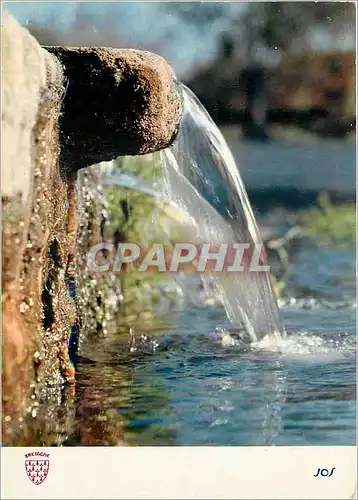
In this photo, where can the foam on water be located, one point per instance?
(308, 346)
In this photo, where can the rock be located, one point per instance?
(118, 102)
(27, 71)
(35, 243)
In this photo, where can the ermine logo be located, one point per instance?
(37, 465)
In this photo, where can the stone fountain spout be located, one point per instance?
(118, 102)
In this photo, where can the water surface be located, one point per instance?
(193, 383)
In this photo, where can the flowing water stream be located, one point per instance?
(199, 167)
(214, 365)
(196, 172)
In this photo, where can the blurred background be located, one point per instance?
(252, 64)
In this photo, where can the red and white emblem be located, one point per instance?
(37, 466)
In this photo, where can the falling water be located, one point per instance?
(199, 168)
(188, 385)
(198, 186)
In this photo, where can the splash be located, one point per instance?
(313, 346)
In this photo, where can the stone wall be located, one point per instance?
(35, 243)
(50, 125)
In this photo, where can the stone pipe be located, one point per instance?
(118, 102)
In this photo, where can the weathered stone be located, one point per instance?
(118, 102)
(35, 243)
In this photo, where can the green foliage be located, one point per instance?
(330, 224)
